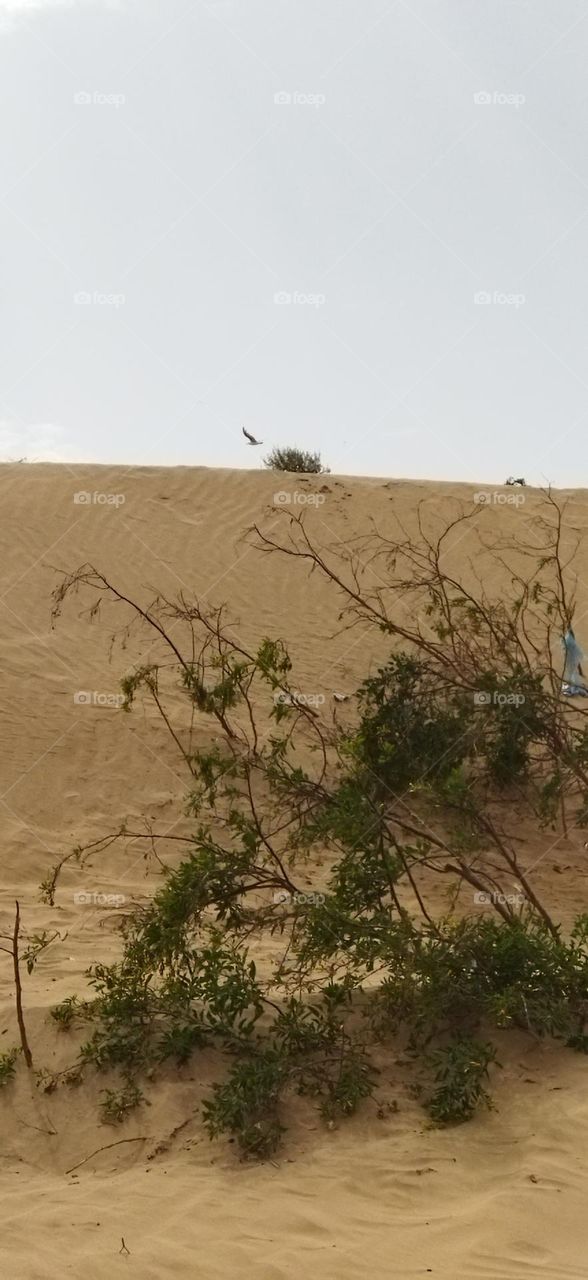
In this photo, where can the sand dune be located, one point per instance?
(501, 1199)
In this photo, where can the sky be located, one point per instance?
(355, 226)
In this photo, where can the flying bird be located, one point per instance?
(251, 439)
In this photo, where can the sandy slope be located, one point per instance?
(503, 1198)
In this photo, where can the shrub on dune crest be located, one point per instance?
(289, 458)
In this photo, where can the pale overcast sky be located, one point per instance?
(354, 225)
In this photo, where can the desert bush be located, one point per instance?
(115, 1107)
(466, 711)
(461, 1068)
(289, 458)
(65, 1014)
(8, 1066)
(245, 1106)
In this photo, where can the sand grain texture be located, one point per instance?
(501, 1199)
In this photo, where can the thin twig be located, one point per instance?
(106, 1148)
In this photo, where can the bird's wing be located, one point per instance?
(248, 436)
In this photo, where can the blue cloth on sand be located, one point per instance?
(573, 683)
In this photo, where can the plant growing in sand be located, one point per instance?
(407, 797)
(116, 1106)
(7, 1066)
(289, 458)
(10, 944)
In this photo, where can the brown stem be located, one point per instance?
(466, 873)
(28, 1057)
(511, 860)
